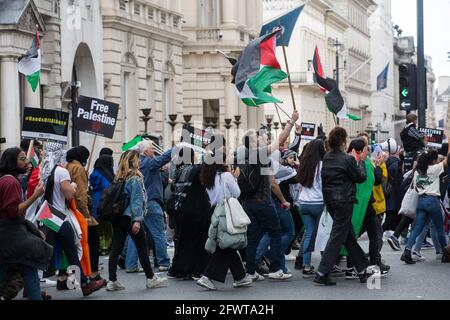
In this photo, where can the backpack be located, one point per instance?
(113, 202)
(250, 179)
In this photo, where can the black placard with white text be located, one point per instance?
(434, 136)
(308, 131)
(95, 116)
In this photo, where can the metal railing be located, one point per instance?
(208, 35)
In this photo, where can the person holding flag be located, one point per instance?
(21, 243)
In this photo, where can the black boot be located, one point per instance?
(323, 280)
(298, 263)
(407, 258)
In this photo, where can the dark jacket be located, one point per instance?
(394, 166)
(412, 139)
(340, 174)
(21, 243)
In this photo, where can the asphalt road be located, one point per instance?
(428, 280)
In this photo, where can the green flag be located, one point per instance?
(132, 143)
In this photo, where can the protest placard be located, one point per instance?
(45, 125)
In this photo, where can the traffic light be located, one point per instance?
(408, 86)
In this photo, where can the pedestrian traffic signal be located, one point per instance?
(408, 85)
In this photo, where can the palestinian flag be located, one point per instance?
(318, 66)
(132, 143)
(333, 98)
(51, 217)
(30, 63)
(256, 70)
(34, 159)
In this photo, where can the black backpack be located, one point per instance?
(113, 202)
(250, 179)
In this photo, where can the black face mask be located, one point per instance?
(21, 171)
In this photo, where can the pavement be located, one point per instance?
(428, 280)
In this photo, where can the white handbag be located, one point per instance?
(409, 203)
(237, 219)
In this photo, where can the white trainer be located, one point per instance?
(156, 282)
(205, 282)
(245, 282)
(279, 275)
(47, 283)
(114, 286)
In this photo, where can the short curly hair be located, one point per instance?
(337, 137)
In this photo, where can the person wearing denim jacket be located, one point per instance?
(154, 221)
(130, 223)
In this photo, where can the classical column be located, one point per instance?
(9, 101)
(231, 98)
(229, 12)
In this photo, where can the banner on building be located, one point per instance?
(95, 116)
(435, 137)
(308, 131)
(45, 125)
(199, 139)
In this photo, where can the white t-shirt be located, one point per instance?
(59, 201)
(429, 184)
(217, 193)
(313, 194)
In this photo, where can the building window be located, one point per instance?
(208, 13)
(137, 9)
(176, 22)
(151, 14)
(163, 18)
(242, 36)
(122, 5)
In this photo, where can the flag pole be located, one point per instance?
(30, 149)
(90, 154)
(287, 65)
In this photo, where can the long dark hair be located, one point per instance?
(425, 160)
(309, 162)
(208, 174)
(105, 165)
(8, 162)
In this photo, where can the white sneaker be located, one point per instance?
(289, 257)
(156, 282)
(418, 257)
(163, 269)
(256, 277)
(439, 256)
(279, 275)
(47, 283)
(114, 286)
(246, 282)
(205, 282)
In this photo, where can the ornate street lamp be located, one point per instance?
(237, 122)
(172, 122)
(269, 119)
(146, 117)
(187, 119)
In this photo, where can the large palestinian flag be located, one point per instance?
(50, 216)
(256, 70)
(30, 63)
(333, 98)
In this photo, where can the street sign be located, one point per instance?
(405, 105)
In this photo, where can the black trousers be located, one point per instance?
(342, 234)
(94, 247)
(404, 224)
(221, 261)
(298, 226)
(392, 220)
(121, 228)
(372, 224)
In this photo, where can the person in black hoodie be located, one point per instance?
(340, 174)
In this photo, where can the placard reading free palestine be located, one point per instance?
(96, 116)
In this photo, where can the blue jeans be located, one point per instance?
(422, 237)
(428, 207)
(154, 222)
(311, 214)
(30, 278)
(287, 235)
(264, 218)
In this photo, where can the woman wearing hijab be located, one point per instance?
(100, 179)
